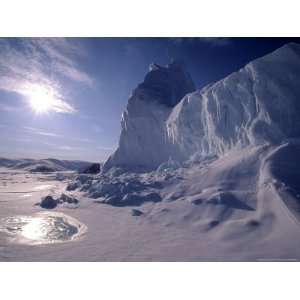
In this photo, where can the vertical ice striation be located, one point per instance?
(144, 141)
(258, 104)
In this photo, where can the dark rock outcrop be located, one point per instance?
(48, 202)
(92, 169)
(136, 212)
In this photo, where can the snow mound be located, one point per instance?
(168, 166)
(124, 190)
(283, 166)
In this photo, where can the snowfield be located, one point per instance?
(237, 207)
(211, 176)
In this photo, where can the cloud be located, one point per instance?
(8, 108)
(216, 41)
(105, 148)
(44, 133)
(38, 131)
(41, 132)
(211, 41)
(26, 63)
(52, 99)
(67, 148)
(20, 140)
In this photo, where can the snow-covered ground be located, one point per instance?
(242, 206)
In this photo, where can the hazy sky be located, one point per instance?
(63, 98)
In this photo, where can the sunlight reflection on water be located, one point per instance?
(42, 187)
(43, 228)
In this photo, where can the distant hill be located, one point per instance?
(44, 165)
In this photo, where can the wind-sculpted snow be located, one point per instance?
(256, 105)
(123, 190)
(283, 164)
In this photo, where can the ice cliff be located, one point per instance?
(144, 142)
(166, 118)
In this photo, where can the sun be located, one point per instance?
(41, 100)
(44, 98)
(40, 104)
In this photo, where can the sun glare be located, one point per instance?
(41, 100)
